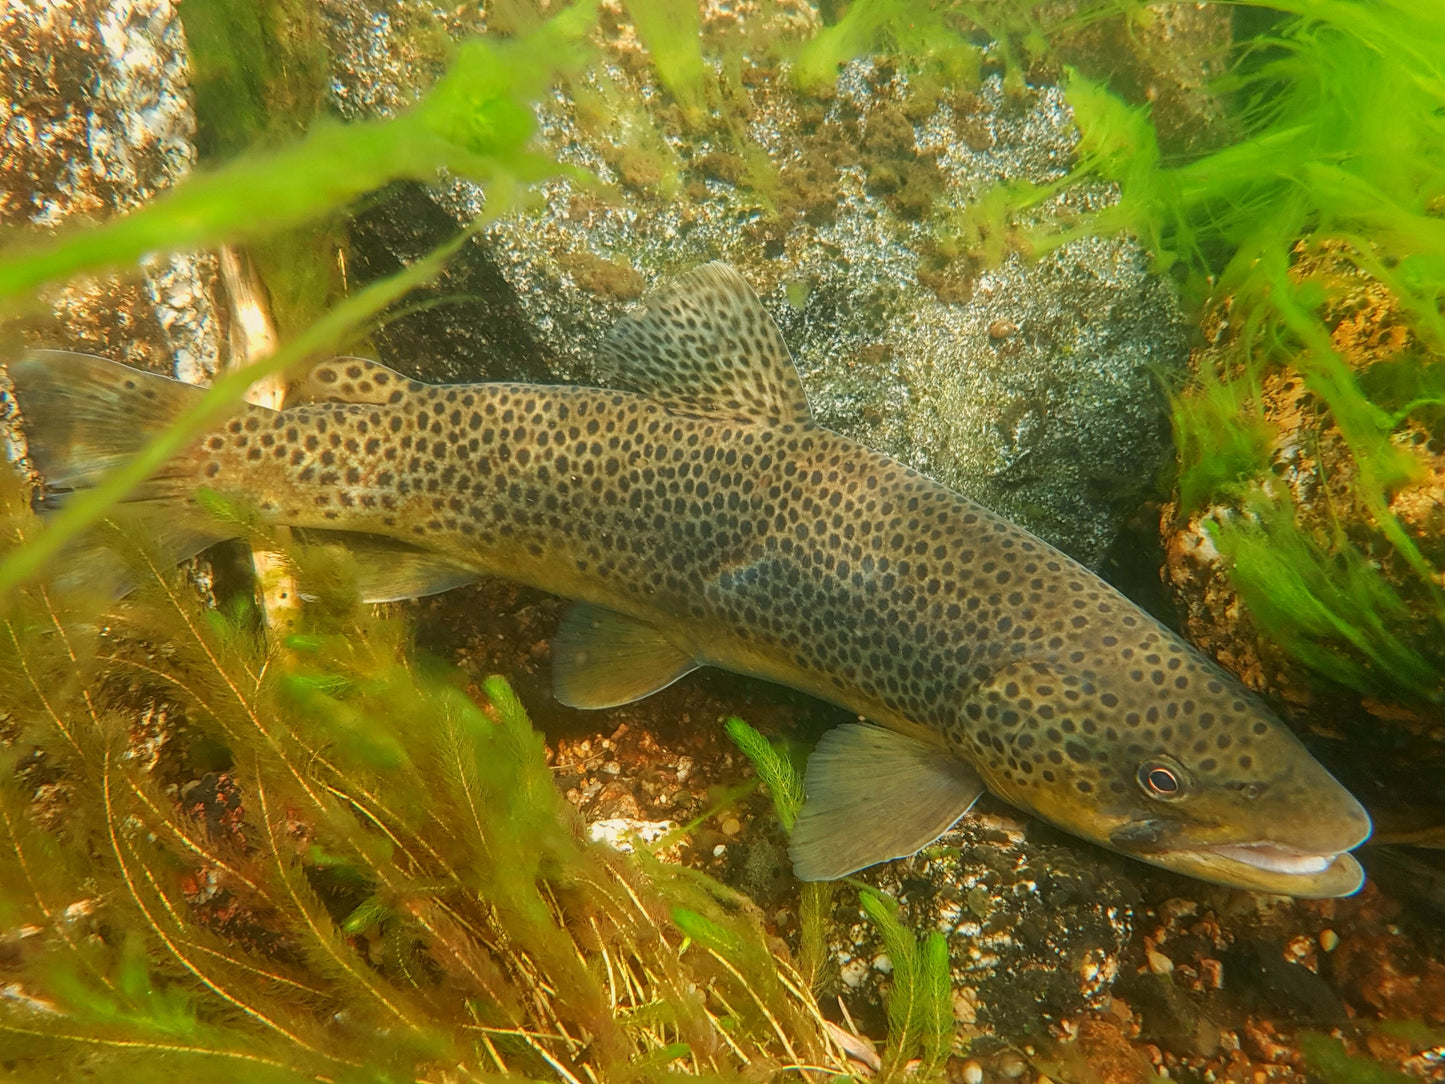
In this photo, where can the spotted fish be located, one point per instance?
(700, 517)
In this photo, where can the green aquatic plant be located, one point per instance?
(774, 768)
(1325, 603)
(1327, 1058)
(1223, 440)
(384, 884)
(916, 32)
(920, 1004)
(1341, 150)
(815, 900)
(671, 33)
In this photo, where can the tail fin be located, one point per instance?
(84, 416)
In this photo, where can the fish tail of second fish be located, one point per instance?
(82, 417)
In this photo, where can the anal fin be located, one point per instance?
(872, 795)
(388, 570)
(601, 659)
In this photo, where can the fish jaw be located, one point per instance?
(1265, 866)
(1319, 869)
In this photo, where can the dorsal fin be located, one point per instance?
(704, 345)
(352, 380)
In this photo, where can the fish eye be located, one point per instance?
(1161, 779)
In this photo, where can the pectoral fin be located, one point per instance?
(601, 659)
(874, 794)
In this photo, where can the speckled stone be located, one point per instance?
(1036, 927)
(97, 121)
(1030, 385)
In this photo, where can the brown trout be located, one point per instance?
(700, 517)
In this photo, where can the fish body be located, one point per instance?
(700, 517)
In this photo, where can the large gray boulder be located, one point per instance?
(919, 325)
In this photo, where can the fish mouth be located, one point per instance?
(1267, 866)
(1275, 857)
(1320, 869)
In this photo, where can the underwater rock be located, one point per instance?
(1170, 1016)
(99, 121)
(918, 323)
(1035, 926)
(1257, 972)
(1296, 586)
(1173, 59)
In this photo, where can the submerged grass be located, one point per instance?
(393, 889)
(1341, 150)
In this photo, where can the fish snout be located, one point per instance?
(1348, 826)
(1310, 810)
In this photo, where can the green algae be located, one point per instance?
(1327, 1058)
(1223, 439)
(1326, 603)
(672, 34)
(1341, 148)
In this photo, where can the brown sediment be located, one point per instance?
(607, 278)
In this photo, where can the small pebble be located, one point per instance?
(731, 827)
(1011, 1065)
(972, 1072)
(1159, 963)
(1328, 940)
(720, 850)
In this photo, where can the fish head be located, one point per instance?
(1192, 773)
